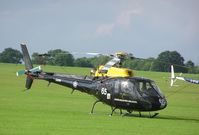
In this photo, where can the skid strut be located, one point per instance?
(94, 105)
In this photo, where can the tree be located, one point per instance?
(64, 59)
(52, 54)
(168, 58)
(83, 62)
(139, 64)
(190, 65)
(196, 69)
(60, 57)
(100, 60)
(10, 55)
(39, 59)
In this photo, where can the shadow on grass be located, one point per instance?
(163, 117)
(167, 117)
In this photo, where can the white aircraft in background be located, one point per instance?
(173, 78)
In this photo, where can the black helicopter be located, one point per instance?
(124, 93)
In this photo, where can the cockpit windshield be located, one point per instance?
(157, 89)
(149, 88)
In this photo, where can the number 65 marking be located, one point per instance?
(104, 91)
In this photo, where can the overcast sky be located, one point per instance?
(142, 27)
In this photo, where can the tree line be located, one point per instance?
(64, 58)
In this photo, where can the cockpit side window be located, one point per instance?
(129, 88)
(125, 86)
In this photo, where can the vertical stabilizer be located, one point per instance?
(26, 57)
(28, 65)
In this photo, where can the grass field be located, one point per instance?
(54, 111)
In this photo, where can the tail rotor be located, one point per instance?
(29, 67)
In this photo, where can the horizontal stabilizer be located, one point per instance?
(33, 70)
(21, 72)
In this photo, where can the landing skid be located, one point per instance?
(94, 106)
(152, 116)
(113, 110)
(140, 115)
(129, 112)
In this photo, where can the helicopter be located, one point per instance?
(174, 78)
(120, 91)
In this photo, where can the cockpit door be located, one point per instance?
(125, 89)
(125, 95)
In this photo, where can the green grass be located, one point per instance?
(54, 111)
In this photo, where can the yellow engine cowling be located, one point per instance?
(114, 72)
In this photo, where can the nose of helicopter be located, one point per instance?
(163, 103)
